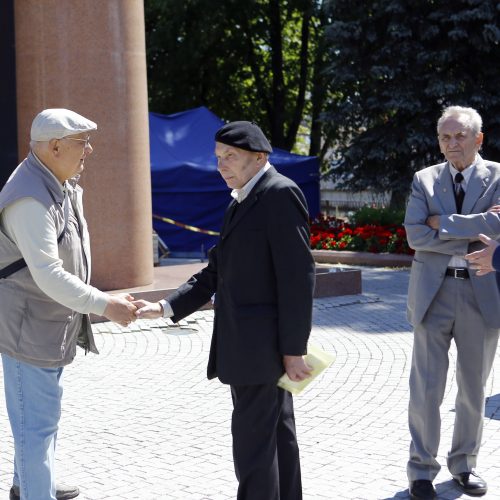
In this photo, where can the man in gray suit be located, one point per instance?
(447, 209)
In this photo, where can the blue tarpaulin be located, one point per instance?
(188, 189)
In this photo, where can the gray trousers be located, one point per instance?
(454, 313)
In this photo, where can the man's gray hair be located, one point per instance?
(468, 116)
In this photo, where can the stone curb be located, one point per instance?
(362, 258)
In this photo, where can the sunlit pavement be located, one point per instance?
(141, 421)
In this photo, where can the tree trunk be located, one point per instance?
(399, 199)
(277, 116)
(293, 126)
(318, 91)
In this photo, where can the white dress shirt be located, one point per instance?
(240, 194)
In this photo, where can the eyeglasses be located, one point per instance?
(86, 141)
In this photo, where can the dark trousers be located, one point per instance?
(265, 450)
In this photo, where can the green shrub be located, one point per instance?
(377, 216)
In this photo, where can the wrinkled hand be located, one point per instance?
(481, 260)
(120, 309)
(148, 310)
(296, 368)
(433, 221)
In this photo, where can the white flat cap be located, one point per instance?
(58, 123)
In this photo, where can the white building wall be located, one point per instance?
(338, 202)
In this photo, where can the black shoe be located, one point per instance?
(63, 492)
(471, 483)
(422, 489)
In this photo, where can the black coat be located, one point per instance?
(262, 273)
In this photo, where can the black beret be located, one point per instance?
(243, 135)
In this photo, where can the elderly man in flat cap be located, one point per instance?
(262, 274)
(45, 296)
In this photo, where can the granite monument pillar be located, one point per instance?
(90, 56)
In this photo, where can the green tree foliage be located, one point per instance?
(243, 59)
(394, 64)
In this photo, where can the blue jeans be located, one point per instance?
(33, 397)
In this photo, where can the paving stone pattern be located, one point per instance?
(141, 421)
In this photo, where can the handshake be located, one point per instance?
(124, 309)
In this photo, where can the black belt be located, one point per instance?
(456, 272)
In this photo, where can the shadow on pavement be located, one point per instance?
(450, 489)
(492, 409)
(445, 488)
(399, 494)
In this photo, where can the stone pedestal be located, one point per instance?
(330, 282)
(90, 56)
(334, 282)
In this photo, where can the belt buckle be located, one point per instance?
(456, 272)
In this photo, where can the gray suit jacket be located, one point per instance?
(433, 194)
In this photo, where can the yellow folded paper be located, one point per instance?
(317, 359)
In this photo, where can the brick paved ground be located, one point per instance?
(141, 421)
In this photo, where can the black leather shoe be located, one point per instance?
(471, 483)
(63, 492)
(422, 489)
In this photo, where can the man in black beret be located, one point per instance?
(262, 274)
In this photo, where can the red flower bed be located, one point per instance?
(329, 233)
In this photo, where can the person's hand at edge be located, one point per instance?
(120, 309)
(481, 261)
(296, 368)
(148, 310)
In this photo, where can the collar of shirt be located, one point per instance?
(240, 194)
(466, 172)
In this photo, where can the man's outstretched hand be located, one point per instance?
(148, 310)
(120, 309)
